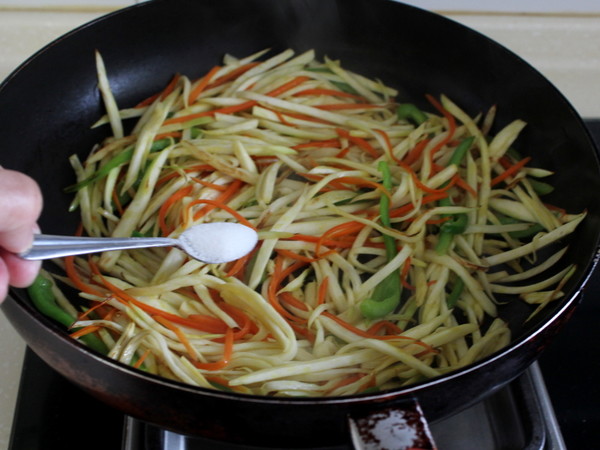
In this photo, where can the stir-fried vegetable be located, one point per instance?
(388, 235)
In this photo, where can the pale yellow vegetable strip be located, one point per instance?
(538, 243)
(132, 214)
(110, 104)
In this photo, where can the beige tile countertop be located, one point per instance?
(564, 46)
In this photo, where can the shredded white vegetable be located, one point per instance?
(383, 256)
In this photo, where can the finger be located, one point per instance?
(20, 207)
(3, 280)
(21, 273)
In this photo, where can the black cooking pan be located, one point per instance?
(49, 103)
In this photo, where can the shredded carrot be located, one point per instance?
(221, 199)
(360, 142)
(512, 170)
(200, 322)
(164, 208)
(202, 84)
(331, 92)
(117, 202)
(368, 335)
(343, 153)
(464, 185)
(166, 91)
(318, 144)
(287, 86)
(216, 187)
(385, 325)
(180, 335)
(386, 138)
(224, 207)
(239, 265)
(141, 360)
(98, 305)
(451, 124)
(84, 331)
(232, 75)
(227, 352)
(293, 255)
(195, 168)
(346, 381)
(343, 106)
(405, 209)
(76, 279)
(173, 134)
(404, 275)
(415, 153)
(322, 292)
(337, 231)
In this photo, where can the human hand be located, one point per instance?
(20, 207)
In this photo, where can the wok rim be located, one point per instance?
(411, 391)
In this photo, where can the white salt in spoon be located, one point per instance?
(213, 243)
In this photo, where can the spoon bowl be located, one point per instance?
(213, 243)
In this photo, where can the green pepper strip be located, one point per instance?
(44, 300)
(541, 187)
(457, 223)
(121, 158)
(531, 231)
(345, 87)
(455, 293)
(386, 295)
(409, 111)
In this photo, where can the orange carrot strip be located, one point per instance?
(366, 334)
(201, 86)
(386, 138)
(84, 331)
(397, 212)
(464, 185)
(386, 326)
(162, 212)
(216, 187)
(83, 315)
(322, 292)
(331, 92)
(418, 182)
(166, 91)
(218, 204)
(343, 106)
(451, 123)
(287, 86)
(318, 144)
(141, 360)
(200, 322)
(117, 202)
(195, 168)
(404, 275)
(180, 334)
(232, 75)
(76, 279)
(360, 142)
(224, 197)
(173, 134)
(239, 265)
(343, 153)
(414, 154)
(512, 170)
(227, 352)
(293, 255)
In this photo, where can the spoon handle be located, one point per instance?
(47, 246)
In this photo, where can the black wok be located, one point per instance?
(49, 103)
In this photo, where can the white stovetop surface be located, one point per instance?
(561, 39)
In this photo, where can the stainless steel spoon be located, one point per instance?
(214, 243)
